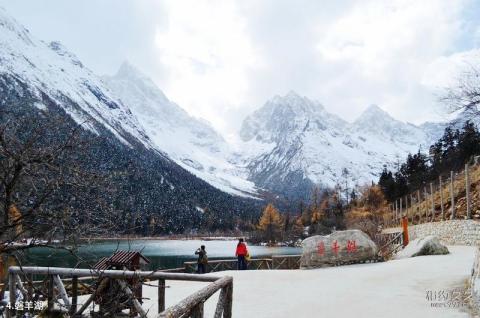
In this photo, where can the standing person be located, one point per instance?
(241, 254)
(202, 260)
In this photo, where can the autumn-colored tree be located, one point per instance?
(317, 216)
(373, 198)
(306, 216)
(319, 213)
(270, 223)
(369, 212)
(297, 228)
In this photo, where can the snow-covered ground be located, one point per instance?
(392, 289)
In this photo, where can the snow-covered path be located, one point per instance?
(392, 289)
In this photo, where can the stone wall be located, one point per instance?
(475, 282)
(451, 232)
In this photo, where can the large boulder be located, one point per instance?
(341, 247)
(429, 245)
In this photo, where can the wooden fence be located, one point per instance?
(276, 262)
(286, 261)
(389, 244)
(228, 265)
(68, 284)
(437, 201)
(54, 290)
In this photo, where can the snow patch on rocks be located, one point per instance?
(429, 245)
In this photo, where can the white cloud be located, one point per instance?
(207, 54)
(383, 50)
(221, 59)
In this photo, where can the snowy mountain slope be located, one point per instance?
(45, 81)
(51, 70)
(192, 143)
(295, 141)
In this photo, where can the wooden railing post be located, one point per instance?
(452, 197)
(406, 206)
(197, 312)
(227, 312)
(12, 294)
(418, 206)
(432, 198)
(412, 212)
(425, 198)
(30, 290)
(396, 210)
(50, 294)
(161, 295)
(401, 208)
(221, 303)
(441, 197)
(467, 193)
(73, 307)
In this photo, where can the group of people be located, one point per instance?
(241, 253)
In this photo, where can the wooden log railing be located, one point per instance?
(276, 262)
(389, 243)
(229, 264)
(192, 306)
(286, 261)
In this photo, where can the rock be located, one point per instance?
(351, 246)
(429, 245)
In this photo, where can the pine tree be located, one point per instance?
(415, 170)
(468, 142)
(401, 185)
(387, 184)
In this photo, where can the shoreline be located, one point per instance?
(162, 238)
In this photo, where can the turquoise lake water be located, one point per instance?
(162, 253)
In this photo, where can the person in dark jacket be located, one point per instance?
(241, 254)
(202, 260)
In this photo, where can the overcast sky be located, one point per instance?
(222, 59)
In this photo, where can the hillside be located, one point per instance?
(418, 209)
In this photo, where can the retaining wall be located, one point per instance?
(451, 232)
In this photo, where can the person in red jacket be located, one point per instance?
(241, 254)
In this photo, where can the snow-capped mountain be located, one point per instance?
(44, 80)
(289, 144)
(296, 143)
(191, 142)
(51, 70)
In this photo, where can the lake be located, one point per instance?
(161, 253)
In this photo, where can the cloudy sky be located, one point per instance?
(222, 59)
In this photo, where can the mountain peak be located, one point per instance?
(292, 94)
(128, 70)
(293, 104)
(373, 112)
(375, 109)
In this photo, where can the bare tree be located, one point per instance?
(465, 96)
(48, 193)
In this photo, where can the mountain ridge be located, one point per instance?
(321, 148)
